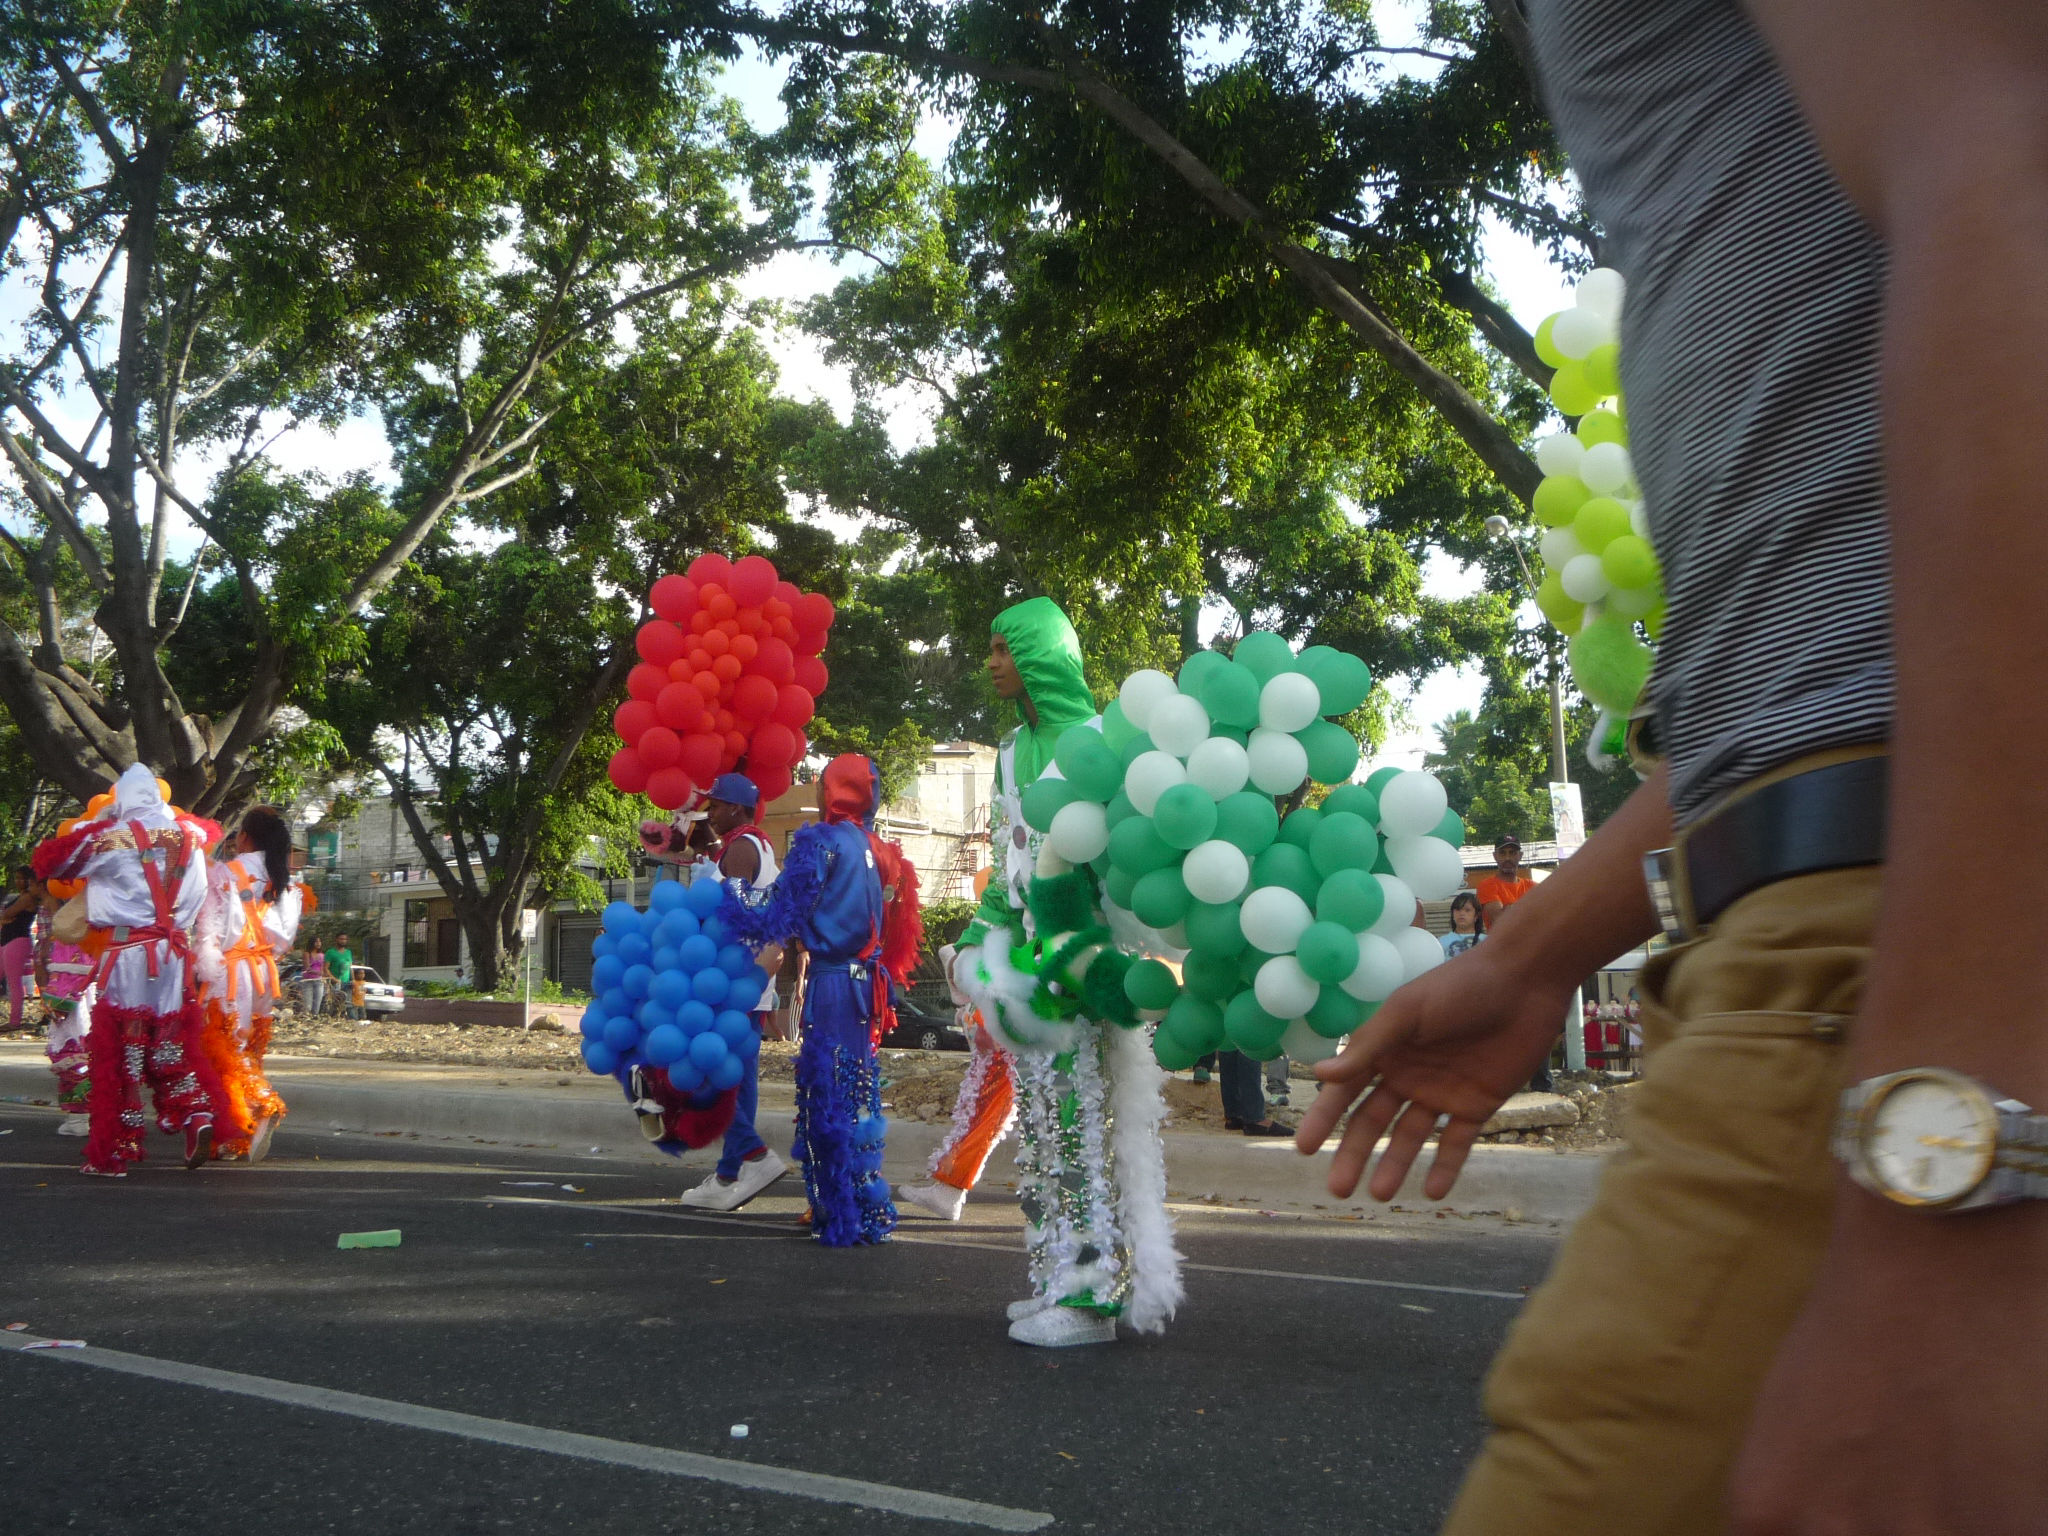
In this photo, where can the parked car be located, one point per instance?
(917, 1031)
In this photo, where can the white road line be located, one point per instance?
(556, 1442)
(919, 1239)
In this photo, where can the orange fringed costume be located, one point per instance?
(240, 934)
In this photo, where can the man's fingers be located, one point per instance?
(1406, 1139)
(1453, 1145)
(1322, 1117)
(1368, 1123)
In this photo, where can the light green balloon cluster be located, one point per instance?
(1292, 931)
(1602, 578)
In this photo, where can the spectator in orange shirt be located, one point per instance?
(1507, 884)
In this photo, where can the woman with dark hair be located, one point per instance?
(1468, 924)
(251, 915)
(17, 940)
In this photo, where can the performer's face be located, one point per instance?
(1002, 670)
(723, 816)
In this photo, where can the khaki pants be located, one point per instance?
(1623, 1393)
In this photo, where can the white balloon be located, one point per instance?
(1419, 950)
(1428, 865)
(1273, 919)
(1559, 454)
(1216, 871)
(1578, 331)
(1303, 1044)
(1560, 547)
(1379, 970)
(1079, 832)
(1289, 702)
(1632, 602)
(1179, 724)
(1220, 766)
(1607, 469)
(1284, 989)
(1151, 775)
(1602, 290)
(1278, 762)
(1399, 912)
(1142, 692)
(1639, 519)
(1584, 579)
(1411, 804)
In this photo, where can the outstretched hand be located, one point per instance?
(1453, 1044)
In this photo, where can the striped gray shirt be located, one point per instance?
(1750, 366)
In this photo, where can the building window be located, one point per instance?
(419, 932)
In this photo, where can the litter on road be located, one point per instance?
(388, 1239)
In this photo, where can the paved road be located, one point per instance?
(521, 1313)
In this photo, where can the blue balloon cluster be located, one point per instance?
(673, 991)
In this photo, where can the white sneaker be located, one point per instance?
(259, 1139)
(73, 1125)
(713, 1195)
(942, 1200)
(1030, 1306)
(1063, 1328)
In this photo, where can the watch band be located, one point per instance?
(2021, 1158)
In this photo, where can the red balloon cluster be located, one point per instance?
(729, 676)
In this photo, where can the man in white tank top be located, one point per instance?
(730, 838)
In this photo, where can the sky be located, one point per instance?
(1525, 281)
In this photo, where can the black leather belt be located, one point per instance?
(1831, 817)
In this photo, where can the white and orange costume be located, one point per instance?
(240, 934)
(144, 866)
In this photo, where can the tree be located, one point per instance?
(229, 220)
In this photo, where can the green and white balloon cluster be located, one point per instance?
(1602, 578)
(1293, 931)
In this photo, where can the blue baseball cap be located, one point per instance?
(735, 789)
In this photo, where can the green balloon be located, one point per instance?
(1185, 815)
(1332, 751)
(1336, 1013)
(1248, 965)
(1213, 928)
(1315, 657)
(1150, 985)
(1327, 951)
(1120, 809)
(1343, 681)
(1600, 522)
(1300, 825)
(1117, 729)
(1251, 1029)
(1266, 653)
(1343, 841)
(1169, 1051)
(1210, 975)
(1118, 885)
(1381, 864)
(1231, 695)
(1285, 864)
(1196, 1021)
(1134, 749)
(1546, 348)
(1137, 848)
(1234, 733)
(1558, 499)
(1378, 780)
(1571, 391)
(1161, 898)
(1609, 663)
(1356, 799)
(1602, 426)
(1249, 820)
(1451, 829)
(1084, 756)
(1197, 667)
(1628, 561)
(1044, 800)
(1603, 372)
(1352, 899)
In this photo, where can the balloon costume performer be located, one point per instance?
(850, 900)
(251, 914)
(1039, 962)
(984, 1112)
(144, 866)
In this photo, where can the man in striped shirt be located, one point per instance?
(1833, 219)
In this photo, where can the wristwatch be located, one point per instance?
(1935, 1140)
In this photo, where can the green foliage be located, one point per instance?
(944, 921)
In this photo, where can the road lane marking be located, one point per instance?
(556, 1442)
(919, 1239)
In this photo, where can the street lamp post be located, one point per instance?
(1560, 769)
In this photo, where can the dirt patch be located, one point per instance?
(451, 1045)
(1603, 1107)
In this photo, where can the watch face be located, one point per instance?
(1929, 1138)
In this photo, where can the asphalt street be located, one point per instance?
(556, 1347)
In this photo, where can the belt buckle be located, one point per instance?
(1664, 877)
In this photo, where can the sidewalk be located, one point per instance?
(586, 1116)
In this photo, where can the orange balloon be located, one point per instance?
(680, 670)
(721, 606)
(700, 621)
(746, 647)
(784, 629)
(775, 608)
(707, 684)
(735, 744)
(727, 668)
(726, 721)
(98, 803)
(717, 642)
(163, 788)
(750, 621)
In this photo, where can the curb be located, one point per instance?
(1522, 1183)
